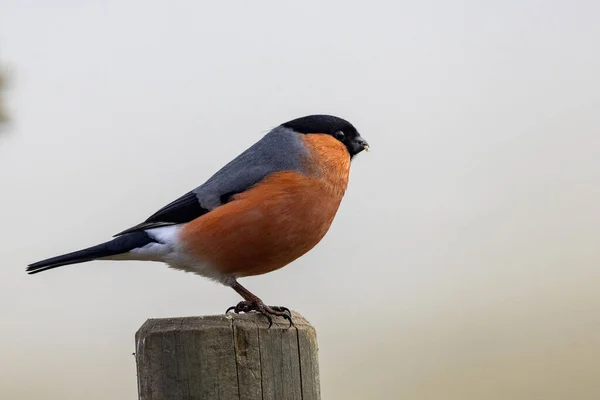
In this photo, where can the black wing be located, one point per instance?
(184, 209)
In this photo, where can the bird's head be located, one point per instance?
(339, 128)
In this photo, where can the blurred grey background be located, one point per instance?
(464, 261)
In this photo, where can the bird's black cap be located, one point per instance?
(328, 124)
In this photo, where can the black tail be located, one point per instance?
(119, 245)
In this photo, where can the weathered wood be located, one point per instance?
(227, 357)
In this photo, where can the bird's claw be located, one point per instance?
(267, 311)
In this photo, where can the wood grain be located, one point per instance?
(227, 357)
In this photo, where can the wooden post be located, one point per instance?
(227, 357)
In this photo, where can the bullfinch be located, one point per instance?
(261, 211)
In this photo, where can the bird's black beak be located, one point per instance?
(358, 144)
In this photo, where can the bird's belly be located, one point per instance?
(264, 228)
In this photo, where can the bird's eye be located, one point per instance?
(339, 135)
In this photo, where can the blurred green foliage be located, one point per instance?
(3, 116)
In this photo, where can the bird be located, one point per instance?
(264, 209)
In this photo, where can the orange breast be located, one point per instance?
(276, 221)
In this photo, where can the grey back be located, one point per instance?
(279, 150)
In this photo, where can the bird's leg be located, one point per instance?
(253, 303)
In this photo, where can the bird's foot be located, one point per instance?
(267, 311)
